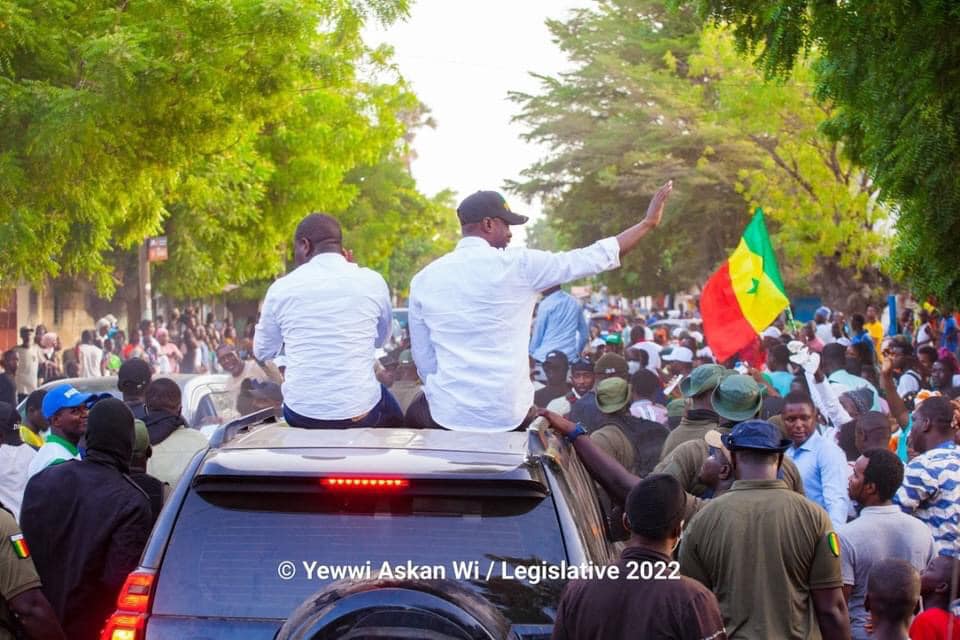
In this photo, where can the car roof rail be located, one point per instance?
(227, 432)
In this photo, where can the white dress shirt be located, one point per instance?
(470, 315)
(329, 315)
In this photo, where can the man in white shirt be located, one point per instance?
(15, 458)
(470, 314)
(26, 377)
(824, 329)
(91, 356)
(330, 316)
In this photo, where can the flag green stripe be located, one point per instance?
(758, 241)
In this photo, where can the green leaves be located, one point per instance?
(658, 95)
(217, 122)
(890, 69)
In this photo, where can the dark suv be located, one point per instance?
(277, 532)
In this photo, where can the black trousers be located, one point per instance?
(418, 416)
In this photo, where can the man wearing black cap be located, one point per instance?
(132, 381)
(586, 411)
(470, 314)
(555, 366)
(637, 603)
(771, 556)
(87, 523)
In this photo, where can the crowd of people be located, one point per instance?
(808, 487)
(181, 344)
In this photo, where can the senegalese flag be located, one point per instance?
(20, 546)
(745, 295)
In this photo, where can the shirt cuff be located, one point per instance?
(611, 248)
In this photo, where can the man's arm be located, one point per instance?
(834, 478)
(630, 238)
(267, 338)
(544, 269)
(421, 348)
(131, 531)
(385, 322)
(831, 612)
(609, 473)
(897, 408)
(918, 486)
(38, 618)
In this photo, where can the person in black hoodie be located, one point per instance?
(86, 523)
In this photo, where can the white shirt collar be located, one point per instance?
(472, 241)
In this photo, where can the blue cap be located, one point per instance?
(758, 435)
(66, 397)
(823, 311)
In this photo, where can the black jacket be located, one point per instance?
(86, 524)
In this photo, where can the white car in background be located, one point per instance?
(206, 400)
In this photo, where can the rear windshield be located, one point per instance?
(260, 555)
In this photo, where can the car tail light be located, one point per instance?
(133, 604)
(365, 483)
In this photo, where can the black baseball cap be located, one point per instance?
(487, 204)
(134, 375)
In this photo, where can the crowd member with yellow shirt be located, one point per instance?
(875, 328)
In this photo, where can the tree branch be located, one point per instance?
(793, 172)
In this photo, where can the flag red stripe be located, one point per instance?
(727, 330)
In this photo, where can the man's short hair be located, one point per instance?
(901, 343)
(322, 230)
(655, 506)
(163, 394)
(835, 354)
(799, 397)
(780, 355)
(928, 351)
(939, 411)
(6, 357)
(645, 383)
(893, 589)
(885, 470)
(35, 400)
(873, 421)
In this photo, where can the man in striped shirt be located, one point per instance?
(931, 483)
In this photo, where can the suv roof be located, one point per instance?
(500, 460)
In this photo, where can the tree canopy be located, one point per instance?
(892, 71)
(658, 94)
(219, 123)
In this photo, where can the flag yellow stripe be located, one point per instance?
(760, 299)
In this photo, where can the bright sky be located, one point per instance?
(462, 57)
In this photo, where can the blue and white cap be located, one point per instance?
(65, 396)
